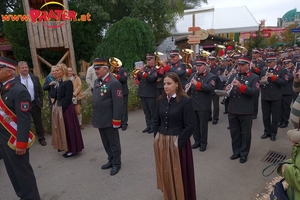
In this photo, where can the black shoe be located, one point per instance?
(146, 130)
(280, 123)
(283, 125)
(195, 145)
(107, 166)
(254, 117)
(43, 142)
(225, 112)
(214, 122)
(124, 128)
(228, 127)
(264, 136)
(68, 155)
(202, 149)
(243, 159)
(209, 119)
(273, 138)
(150, 130)
(234, 156)
(114, 170)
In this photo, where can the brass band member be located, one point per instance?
(147, 90)
(202, 86)
(272, 80)
(244, 86)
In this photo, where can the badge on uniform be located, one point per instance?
(7, 86)
(212, 82)
(24, 106)
(119, 93)
(103, 89)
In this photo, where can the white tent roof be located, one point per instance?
(223, 20)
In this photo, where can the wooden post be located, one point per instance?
(64, 57)
(44, 61)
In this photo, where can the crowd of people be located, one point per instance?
(179, 98)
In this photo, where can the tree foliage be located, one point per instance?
(129, 40)
(287, 36)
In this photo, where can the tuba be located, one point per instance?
(114, 63)
(204, 53)
(187, 53)
(157, 59)
(218, 50)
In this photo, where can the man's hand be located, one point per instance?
(268, 74)
(193, 81)
(114, 126)
(296, 76)
(236, 83)
(20, 152)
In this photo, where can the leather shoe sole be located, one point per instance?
(114, 170)
(264, 136)
(272, 138)
(243, 159)
(106, 166)
(283, 125)
(124, 128)
(234, 156)
(195, 146)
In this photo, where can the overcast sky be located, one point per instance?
(260, 9)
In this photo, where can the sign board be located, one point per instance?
(202, 33)
(193, 37)
(194, 28)
(193, 41)
(295, 30)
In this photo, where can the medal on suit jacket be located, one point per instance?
(103, 89)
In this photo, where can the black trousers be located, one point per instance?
(216, 107)
(200, 132)
(124, 116)
(270, 111)
(240, 131)
(111, 142)
(285, 110)
(255, 100)
(36, 114)
(148, 105)
(20, 173)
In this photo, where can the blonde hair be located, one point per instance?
(64, 68)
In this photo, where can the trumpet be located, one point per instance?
(134, 73)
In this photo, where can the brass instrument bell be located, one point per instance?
(114, 63)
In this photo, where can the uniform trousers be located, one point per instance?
(270, 112)
(201, 128)
(255, 101)
(240, 131)
(20, 173)
(36, 114)
(216, 107)
(124, 117)
(285, 110)
(111, 142)
(148, 105)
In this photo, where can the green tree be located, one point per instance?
(287, 36)
(129, 40)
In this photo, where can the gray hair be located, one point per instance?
(22, 63)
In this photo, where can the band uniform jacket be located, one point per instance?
(38, 92)
(217, 71)
(174, 118)
(180, 69)
(147, 86)
(241, 100)
(273, 90)
(107, 102)
(122, 76)
(259, 66)
(288, 89)
(201, 93)
(16, 97)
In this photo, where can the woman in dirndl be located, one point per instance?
(66, 133)
(173, 127)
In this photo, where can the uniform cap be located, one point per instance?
(288, 59)
(244, 60)
(99, 62)
(236, 56)
(174, 52)
(150, 56)
(271, 57)
(255, 51)
(201, 61)
(7, 62)
(211, 58)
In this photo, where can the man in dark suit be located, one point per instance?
(202, 86)
(147, 90)
(272, 80)
(243, 88)
(15, 140)
(107, 111)
(122, 75)
(34, 88)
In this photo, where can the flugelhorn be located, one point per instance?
(114, 63)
